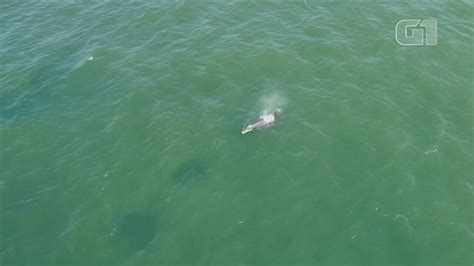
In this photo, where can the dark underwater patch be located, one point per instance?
(136, 231)
(190, 171)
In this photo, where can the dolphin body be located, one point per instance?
(262, 122)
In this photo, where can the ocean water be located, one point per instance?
(120, 134)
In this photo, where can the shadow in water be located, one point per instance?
(189, 172)
(136, 231)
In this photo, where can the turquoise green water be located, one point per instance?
(120, 134)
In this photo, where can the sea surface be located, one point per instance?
(120, 137)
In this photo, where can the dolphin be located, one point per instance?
(264, 121)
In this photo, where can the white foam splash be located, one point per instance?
(271, 101)
(435, 149)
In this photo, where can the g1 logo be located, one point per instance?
(416, 32)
